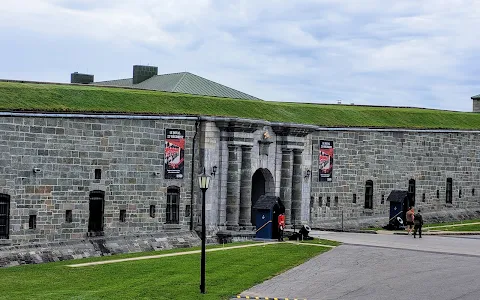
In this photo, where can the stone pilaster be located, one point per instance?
(233, 188)
(246, 187)
(297, 186)
(286, 183)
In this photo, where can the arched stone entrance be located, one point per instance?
(262, 184)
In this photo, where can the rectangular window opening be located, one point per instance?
(449, 191)
(152, 211)
(336, 200)
(354, 199)
(98, 173)
(423, 197)
(32, 222)
(320, 201)
(328, 201)
(123, 215)
(68, 216)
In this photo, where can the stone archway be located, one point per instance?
(262, 184)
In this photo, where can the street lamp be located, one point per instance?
(203, 182)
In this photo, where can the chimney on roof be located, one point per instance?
(142, 73)
(76, 77)
(476, 103)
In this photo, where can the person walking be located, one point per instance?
(418, 220)
(409, 218)
(281, 226)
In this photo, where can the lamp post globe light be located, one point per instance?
(203, 182)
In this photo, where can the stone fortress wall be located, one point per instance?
(48, 163)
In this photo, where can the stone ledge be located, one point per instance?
(94, 247)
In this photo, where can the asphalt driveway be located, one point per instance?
(375, 266)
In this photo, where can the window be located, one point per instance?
(369, 194)
(328, 201)
(411, 192)
(152, 211)
(438, 194)
(336, 200)
(383, 199)
(423, 197)
(459, 193)
(173, 199)
(32, 222)
(320, 201)
(68, 216)
(473, 192)
(4, 215)
(123, 215)
(354, 199)
(448, 194)
(98, 174)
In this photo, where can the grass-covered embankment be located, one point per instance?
(16, 96)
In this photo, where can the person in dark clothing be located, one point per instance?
(418, 220)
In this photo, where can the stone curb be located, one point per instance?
(266, 298)
(444, 233)
(346, 230)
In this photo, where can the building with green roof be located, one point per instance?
(98, 168)
(147, 78)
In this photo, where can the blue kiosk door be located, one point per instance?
(263, 221)
(396, 209)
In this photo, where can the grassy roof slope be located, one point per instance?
(16, 96)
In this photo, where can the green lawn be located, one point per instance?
(228, 273)
(70, 98)
(475, 227)
(452, 223)
(321, 242)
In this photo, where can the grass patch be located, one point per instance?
(322, 242)
(149, 253)
(16, 96)
(227, 273)
(474, 227)
(452, 223)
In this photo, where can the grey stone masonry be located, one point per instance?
(286, 183)
(233, 188)
(390, 158)
(48, 166)
(246, 187)
(297, 187)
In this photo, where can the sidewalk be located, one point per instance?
(436, 230)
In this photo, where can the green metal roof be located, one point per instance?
(183, 82)
(476, 97)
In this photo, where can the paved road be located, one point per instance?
(375, 266)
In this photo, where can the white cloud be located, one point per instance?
(410, 52)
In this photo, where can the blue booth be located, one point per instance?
(267, 209)
(399, 204)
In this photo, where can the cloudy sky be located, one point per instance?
(378, 52)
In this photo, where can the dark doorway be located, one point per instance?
(96, 208)
(411, 191)
(258, 189)
(4, 215)
(262, 184)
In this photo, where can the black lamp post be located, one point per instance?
(203, 182)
